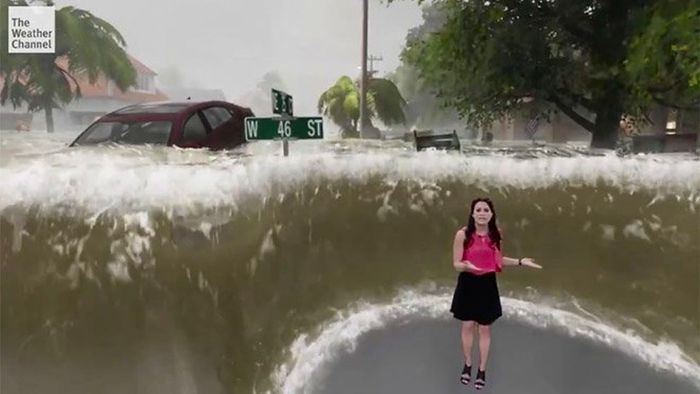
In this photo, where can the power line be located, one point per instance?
(372, 59)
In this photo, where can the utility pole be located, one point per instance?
(363, 77)
(372, 59)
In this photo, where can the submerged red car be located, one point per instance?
(205, 124)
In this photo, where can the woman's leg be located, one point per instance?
(467, 340)
(484, 345)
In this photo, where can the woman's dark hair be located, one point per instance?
(494, 233)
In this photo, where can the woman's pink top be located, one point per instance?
(483, 254)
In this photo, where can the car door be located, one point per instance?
(195, 132)
(223, 134)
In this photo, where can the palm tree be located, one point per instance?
(341, 103)
(85, 46)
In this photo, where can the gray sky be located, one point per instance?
(230, 44)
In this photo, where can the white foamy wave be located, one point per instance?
(127, 177)
(15, 144)
(308, 356)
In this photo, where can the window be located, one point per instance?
(135, 133)
(98, 132)
(216, 116)
(194, 129)
(672, 122)
(144, 83)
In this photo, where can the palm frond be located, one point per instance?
(388, 102)
(341, 102)
(89, 45)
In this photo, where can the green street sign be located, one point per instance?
(275, 128)
(282, 103)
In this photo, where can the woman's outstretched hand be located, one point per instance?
(528, 262)
(470, 267)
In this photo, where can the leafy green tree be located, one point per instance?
(593, 60)
(423, 108)
(341, 103)
(664, 58)
(90, 46)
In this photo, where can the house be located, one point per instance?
(103, 96)
(96, 99)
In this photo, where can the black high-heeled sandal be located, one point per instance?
(480, 381)
(466, 376)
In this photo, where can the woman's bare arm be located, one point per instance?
(457, 253)
(525, 261)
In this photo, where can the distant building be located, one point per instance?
(15, 118)
(96, 100)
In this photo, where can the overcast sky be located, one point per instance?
(231, 44)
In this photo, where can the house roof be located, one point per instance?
(140, 67)
(101, 88)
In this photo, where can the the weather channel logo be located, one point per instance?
(32, 29)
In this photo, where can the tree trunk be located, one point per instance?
(49, 118)
(606, 130)
(609, 49)
(349, 130)
(349, 133)
(607, 121)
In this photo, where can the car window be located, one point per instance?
(194, 129)
(135, 133)
(216, 116)
(96, 133)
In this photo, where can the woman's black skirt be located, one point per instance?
(476, 298)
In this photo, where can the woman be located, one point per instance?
(476, 302)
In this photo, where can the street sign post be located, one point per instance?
(282, 103)
(285, 126)
(275, 128)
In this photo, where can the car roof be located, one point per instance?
(154, 108)
(162, 110)
(161, 107)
